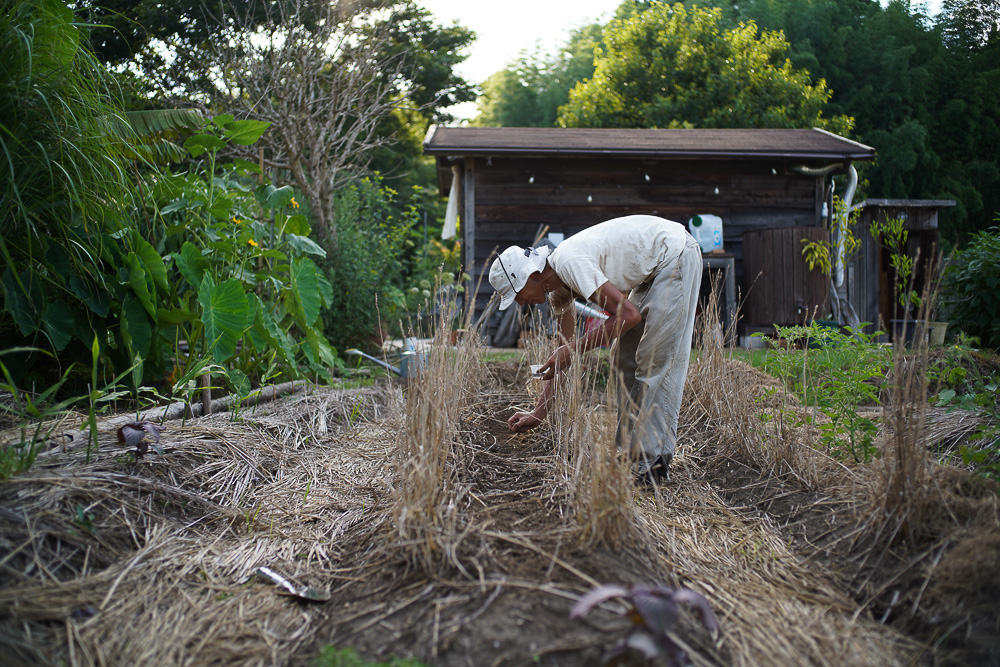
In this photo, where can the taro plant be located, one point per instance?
(654, 611)
(244, 289)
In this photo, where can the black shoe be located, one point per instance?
(658, 473)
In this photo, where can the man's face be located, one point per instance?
(532, 291)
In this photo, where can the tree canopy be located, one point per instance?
(923, 93)
(674, 66)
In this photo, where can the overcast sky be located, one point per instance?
(507, 27)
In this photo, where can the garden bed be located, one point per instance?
(125, 561)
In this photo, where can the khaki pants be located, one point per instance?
(652, 358)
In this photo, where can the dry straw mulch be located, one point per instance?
(465, 549)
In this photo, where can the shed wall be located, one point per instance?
(516, 197)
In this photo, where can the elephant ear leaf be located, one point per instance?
(18, 301)
(190, 263)
(266, 335)
(135, 328)
(245, 132)
(153, 263)
(305, 245)
(140, 283)
(59, 320)
(325, 290)
(224, 314)
(305, 287)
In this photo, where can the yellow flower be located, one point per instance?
(295, 204)
(236, 220)
(253, 243)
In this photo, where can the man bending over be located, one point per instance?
(645, 272)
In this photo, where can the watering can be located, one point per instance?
(410, 362)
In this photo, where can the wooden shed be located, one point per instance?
(514, 182)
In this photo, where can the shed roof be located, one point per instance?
(814, 144)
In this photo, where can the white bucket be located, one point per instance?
(707, 231)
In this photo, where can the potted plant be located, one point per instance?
(937, 327)
(892, 235)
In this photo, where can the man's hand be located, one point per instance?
(559, 361)
(523, 421)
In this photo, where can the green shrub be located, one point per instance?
(837, 373)
(366, 266)
(242, 284)
(971, 288)
(969, 380)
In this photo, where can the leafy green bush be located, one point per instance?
(843, 372)
(969, 380)
(240, 284)
(971, 288)
(366, 265)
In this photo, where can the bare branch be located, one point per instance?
(325, 83)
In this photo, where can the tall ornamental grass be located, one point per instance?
(61, 182)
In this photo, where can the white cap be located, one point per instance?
(512, 268)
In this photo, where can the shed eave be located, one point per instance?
(506, 151)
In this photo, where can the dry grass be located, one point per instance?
(775, 608)
(582, 425)
(151, 562)
(750, 414)
(426, 511)
(903, 492)
(596, 476)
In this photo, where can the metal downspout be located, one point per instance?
(852, 186)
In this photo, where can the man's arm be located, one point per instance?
(622, 316)
(523, 421)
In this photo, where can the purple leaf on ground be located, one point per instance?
(595, 597)
(657, 608)
(644, 643)
(134, 434)
(687, 596)
(654, 611)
